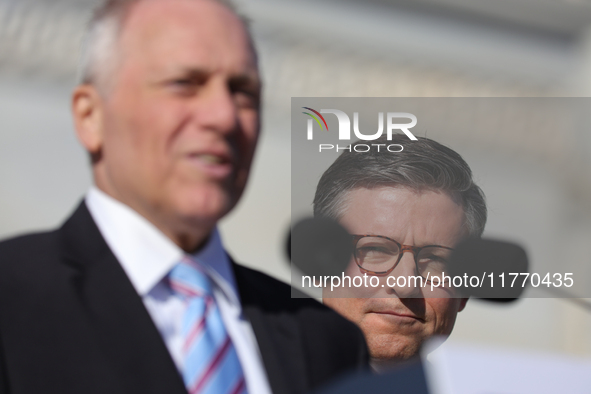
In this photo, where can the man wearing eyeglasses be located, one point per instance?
(406, 211)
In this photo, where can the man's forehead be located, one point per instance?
(206, 19)
(162, 7)
(184, 30)
(393, 210)
(149, 14)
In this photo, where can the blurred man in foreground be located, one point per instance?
(135, 293)
(406, 212)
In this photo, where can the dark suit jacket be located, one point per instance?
(71, 322)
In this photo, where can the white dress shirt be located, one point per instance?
(147, 256)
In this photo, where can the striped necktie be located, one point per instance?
(211, 364)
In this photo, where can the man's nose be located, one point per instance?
(217, 110)
(407, 278)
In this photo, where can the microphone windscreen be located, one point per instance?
(495, 263)
(319, 247)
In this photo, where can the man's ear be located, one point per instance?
(87, 109)
(463, 303)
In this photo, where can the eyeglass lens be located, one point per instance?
(379, 255)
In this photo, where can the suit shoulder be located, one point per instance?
(275, 296)
(331, 342)
(29, 261)
(256, 286)
(28, 245)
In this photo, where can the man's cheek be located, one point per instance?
(443, 311)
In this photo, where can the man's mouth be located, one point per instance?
(213, 165)
(395, 313)
(212, 159)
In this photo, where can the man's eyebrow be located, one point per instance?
(240, 79)
(245, 80)
(193, 73)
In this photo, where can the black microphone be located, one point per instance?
(319, 247)
(492, 261)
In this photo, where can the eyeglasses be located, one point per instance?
(378, 255)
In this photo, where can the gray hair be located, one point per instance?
(99, 58)
(423, 164)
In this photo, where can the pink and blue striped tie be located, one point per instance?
(211, 362)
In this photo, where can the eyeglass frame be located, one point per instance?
(403, 248)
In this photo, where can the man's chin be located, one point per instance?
(396, 348)
(203, 215)
(205, 201)
(199, 211)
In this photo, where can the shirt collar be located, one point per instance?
(146, 254)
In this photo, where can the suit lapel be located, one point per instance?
(278, 335)
(129, 338)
